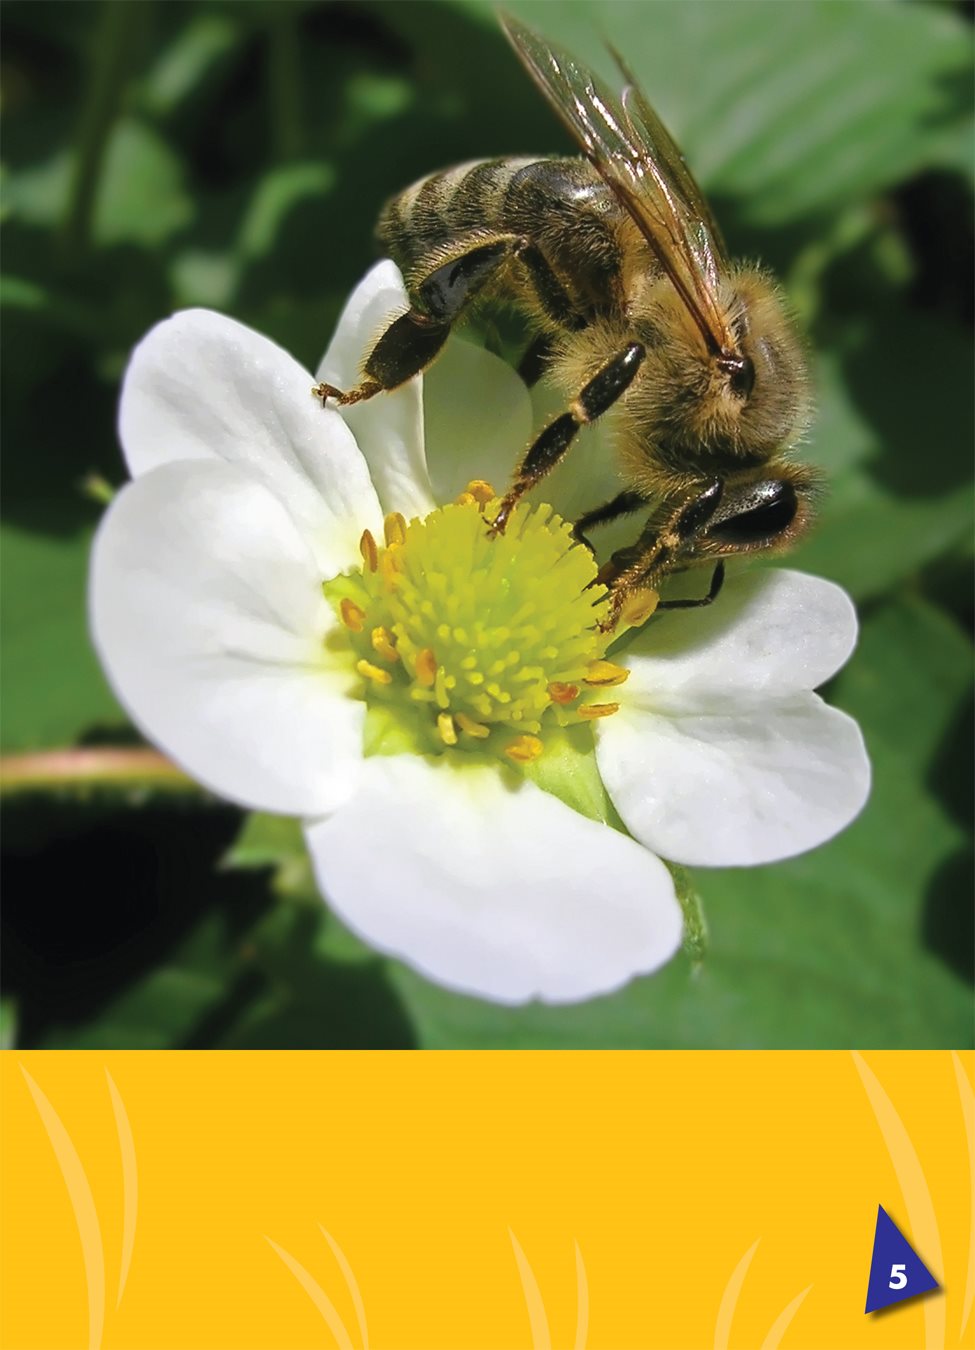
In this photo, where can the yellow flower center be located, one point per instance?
(479, 640)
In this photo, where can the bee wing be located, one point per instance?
(634, 153)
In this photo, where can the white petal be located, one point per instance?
(389, 427)
(478, 419)
(727, 790)
(493, 888)
(201, 387)
(774, 632)
(208, 615)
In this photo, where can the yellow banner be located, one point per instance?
(480, 1201)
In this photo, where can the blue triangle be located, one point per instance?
(896, 1270)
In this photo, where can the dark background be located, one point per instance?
(159, 155)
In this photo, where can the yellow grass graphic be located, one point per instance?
(83, 1204)
(83, 1201)
(729, 1299)
(537, 1318)
(781, 1324)
(353, 1284)
(130, 1184)
(914, 1189)
(582, 1302)
(967, 1098)
(729, 1302)
(321, 1300)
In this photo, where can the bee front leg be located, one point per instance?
(548, 449)
(657, 550)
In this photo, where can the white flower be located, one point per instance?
(209, 613)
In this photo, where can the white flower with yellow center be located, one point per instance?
(306, 611)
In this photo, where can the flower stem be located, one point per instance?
(88, 768)
(695, 924)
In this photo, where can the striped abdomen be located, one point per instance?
(561, 205)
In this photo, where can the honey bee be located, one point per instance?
(617, 264)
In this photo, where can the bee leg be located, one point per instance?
(412, 341)
(622, 505)
(641, 565)
(408, 345)
(714, 590)
(549, 447)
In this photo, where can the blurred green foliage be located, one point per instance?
(159, 155)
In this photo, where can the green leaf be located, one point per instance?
(791, 109)
(897, 466)
(142, 198)
(53, 687)
(857, 943)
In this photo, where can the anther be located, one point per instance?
(382, 642)
(481, 491)
(448, 732)
(477, 729)
(394, 528)
(369, 551)
(562, 693)
(465, 499)
(590, 711)
(352, 615)
(602, 674)
(374, 673)
(638, 607)
(426, 667)
(523, 749)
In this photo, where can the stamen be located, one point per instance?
(562, 693)
(374, 673)
(481, 491)
(426, 667)
(476, 639)
(369, 551)
(638, 607)
(388, 567)
(383, 643)
(605, 673)
(477, 729)
(465, 499)
(523, 749)
(352, 615)
(394, 528)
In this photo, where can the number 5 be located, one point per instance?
(897, 1277)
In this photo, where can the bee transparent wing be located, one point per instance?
(636, 156)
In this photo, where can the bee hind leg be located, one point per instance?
(408, 345)
(413, 339)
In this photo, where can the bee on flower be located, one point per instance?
(305, 610)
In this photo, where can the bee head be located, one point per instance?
(759, 394)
